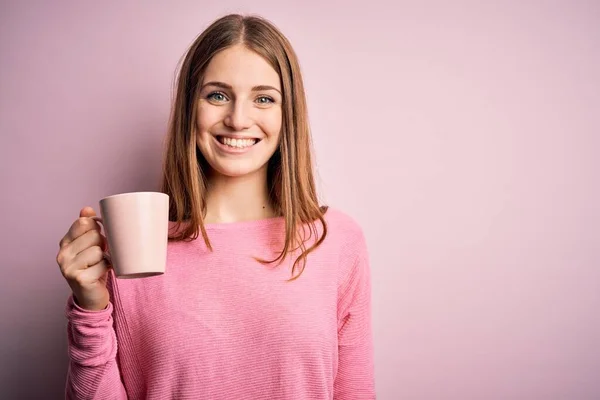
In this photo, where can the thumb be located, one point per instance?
(87, 212)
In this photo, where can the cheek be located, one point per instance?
(203, 124)
(272, 124)
(205, 118)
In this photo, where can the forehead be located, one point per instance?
(241, 68)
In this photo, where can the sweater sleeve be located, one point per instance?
(92, 345)
(355, 376)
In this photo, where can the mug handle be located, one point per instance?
(106, 253)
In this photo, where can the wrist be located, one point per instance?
(91, 305)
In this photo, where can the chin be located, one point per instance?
(237, 171)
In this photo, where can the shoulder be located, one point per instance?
(344, 229)
(346, 235)
(341, 222)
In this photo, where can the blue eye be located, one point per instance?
(264, 100)
(216, 96)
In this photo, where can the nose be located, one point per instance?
(238, 117)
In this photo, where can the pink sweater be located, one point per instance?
(220, 325)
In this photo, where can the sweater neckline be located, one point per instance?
(237, 225)
(248, 224)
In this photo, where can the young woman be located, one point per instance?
(266, 294)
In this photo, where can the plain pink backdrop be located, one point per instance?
(463, 136)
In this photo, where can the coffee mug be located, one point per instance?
(136, 226)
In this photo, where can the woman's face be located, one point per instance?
(239, 113)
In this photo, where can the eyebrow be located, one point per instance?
(223, 85)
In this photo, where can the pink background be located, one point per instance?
(464, 137)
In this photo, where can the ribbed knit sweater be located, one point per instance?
(220, 325)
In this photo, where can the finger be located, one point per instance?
(85, 259)
(80, 226)
(92, 274)
(87, 211)
(91, 238)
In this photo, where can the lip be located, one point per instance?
(237, 137)
(230, 150)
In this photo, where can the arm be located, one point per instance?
(355, 376)
(92, 343)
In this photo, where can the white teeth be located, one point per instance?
(238, 143)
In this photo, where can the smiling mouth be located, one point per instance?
(237, 143)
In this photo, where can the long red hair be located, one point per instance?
(290, 170)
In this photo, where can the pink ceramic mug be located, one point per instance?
(136, 227)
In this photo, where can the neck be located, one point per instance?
(236, 199)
